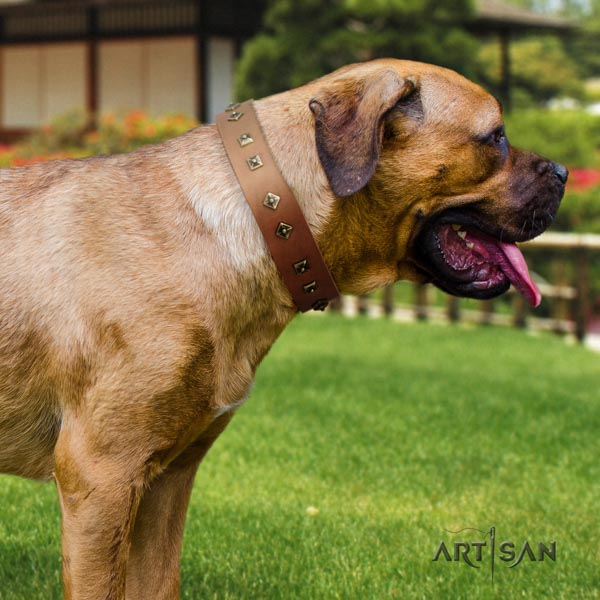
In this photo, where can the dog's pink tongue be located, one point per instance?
(515, 268)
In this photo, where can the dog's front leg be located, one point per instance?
(99, 494)
(153, 566)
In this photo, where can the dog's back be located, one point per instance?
(91, 263)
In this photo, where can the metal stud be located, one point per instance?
(284, 230)
(321, 304)
(271, 200)
(235, 116)
(310, 288)
(245, 139)
(233, 106)
(301, 266)
(254, 162)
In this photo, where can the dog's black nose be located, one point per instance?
(561, 172)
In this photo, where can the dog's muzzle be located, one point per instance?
(465, 253)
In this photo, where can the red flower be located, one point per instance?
(583, 179)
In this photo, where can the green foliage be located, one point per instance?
(584, 45)
(394, 433)
(72, 135)
(135, 129)
(592, 89)
(308, 38)
(579, 212)
(569, 137)
(63, 134)
(540, 70)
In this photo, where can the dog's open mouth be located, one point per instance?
(465, 261)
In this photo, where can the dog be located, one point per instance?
(137, 295)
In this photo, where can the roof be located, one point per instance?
(233, 15)
(51, 20)
(495, 15)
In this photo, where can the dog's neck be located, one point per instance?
(275, 209)
(288, 126)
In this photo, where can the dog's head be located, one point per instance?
(427, 185)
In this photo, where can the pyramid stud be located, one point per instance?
(301, 266)
(233, 106)
(235, 116)
(271, 200)
(254, 162)
(321, 304)
(284, 230)
(245, 139)
(310, 288)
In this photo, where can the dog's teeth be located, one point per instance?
(461, 234)
(456, 227)
(470, 245)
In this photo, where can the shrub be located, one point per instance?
(541, 70)
(62, 135)
(136, 129)
(579, 211)
(571, 137)
(72, 136)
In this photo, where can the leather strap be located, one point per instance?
(275, 209)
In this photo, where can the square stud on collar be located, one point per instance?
(321, 304)
(271, 200)
(301, 266)
(284, 230)
(310, 288)
(235, 116)
(255, 162)
(245, 139)
(233, 106)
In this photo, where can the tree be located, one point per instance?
(583, 46)
(541, 69)
(304, 39)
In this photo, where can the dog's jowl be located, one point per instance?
(138, 294)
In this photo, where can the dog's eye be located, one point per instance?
(498, 137)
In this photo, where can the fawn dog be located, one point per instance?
(137, 295)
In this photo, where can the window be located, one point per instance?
(40, 82)
(156, 75)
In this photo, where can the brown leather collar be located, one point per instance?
(275, 209)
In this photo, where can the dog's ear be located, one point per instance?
(349, 126)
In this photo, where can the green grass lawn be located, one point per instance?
(393, 433)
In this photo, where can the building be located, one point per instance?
(116, 55)
(161, 56)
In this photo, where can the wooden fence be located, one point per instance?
(567, 298)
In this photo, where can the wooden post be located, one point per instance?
(559, 311)
(487, 311)
(202, 64)
(92, 76)
(453, 309)
(335, 305)
(420, 301)
(519, 311)
(363, 305)
(583, 291)
(388, 300)
(505, 94)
